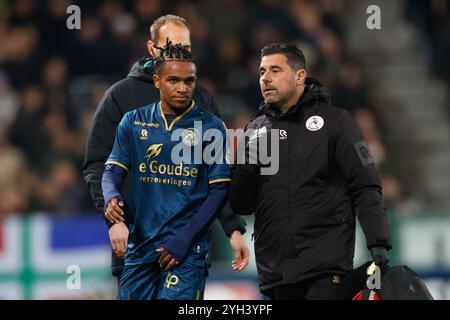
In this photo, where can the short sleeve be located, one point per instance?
(121, 152)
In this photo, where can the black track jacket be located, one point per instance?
(305, 214)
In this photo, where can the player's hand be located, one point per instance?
(241, 252)
(166, 260)
(114, 212)
(118, 236)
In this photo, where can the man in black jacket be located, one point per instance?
(137, 90)
(305, 213)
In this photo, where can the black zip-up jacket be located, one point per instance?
(305, 213)
(136, 90)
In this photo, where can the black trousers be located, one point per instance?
(325, 287)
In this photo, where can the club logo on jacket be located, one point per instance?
(314, 123)
(283, 134)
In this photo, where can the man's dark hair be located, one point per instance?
(171, 52)
(154, 28)
(295, 56)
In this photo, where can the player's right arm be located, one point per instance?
(112, 182)
(116, 169)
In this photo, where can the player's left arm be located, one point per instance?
(177, 248)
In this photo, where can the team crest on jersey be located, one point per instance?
(314, 123)
(191, 137)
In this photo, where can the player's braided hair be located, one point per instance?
(171, 52)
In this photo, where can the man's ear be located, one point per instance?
(301, 77)
(156, 81)
(150, 48)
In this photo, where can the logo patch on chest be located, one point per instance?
(314, 123)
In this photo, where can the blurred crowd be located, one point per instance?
(433, 20)
(52, 79)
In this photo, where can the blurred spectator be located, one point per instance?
(23, 12)
(123, 26)
(13, 171)
(55, 85)
(349, 92)
(57, 37)
(147, 11)
(61, 191)
(432, 19)
(9, 104)
(26, 131)
(21, 58)
(87, 113)
(396, 200)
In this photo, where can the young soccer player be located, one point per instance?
(172, 205)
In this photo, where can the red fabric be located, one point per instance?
(367, 294)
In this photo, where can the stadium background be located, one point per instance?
(395, 82)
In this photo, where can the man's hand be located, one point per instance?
(114, 212)
(166, 260)
(118, 235)
(380, 257)
(241, 253)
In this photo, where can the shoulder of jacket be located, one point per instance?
(122, 84)
(115, 91)
(335, 114)
(337, 117)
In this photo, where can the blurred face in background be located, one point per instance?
(176, 83)
(175, 32)
(280, 85)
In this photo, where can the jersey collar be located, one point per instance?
(169, 127)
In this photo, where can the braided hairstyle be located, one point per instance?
(171, 52)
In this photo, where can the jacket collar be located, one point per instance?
(314, 92)
(142, 70)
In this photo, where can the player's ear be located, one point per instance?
(156, 81)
